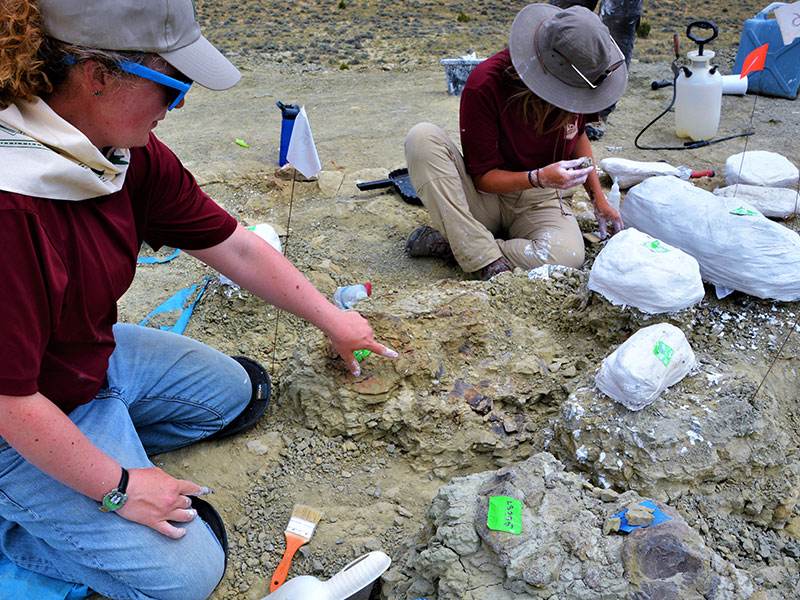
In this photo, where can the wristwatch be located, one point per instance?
(115, 499)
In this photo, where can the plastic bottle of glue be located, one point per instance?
(614, 197)
(356, 576)
(346, 297)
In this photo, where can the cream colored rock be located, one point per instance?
(639, 516)
(793, 528)
(611, 525)
(330, 182)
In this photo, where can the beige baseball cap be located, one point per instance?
(567, 57)
(168, 28)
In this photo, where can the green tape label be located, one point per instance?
(505, 514)
(663, 352)
(655, 246)
(361, 354)
(743, 211)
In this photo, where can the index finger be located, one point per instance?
(380, 349)
(384, 351)
(571, 163)
(188, 488)
(584, 172)
(601, 222)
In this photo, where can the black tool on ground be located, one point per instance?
(676, 70)
(398, 179)
(657, 85)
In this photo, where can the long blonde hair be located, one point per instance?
(543, 116)
(34, 64)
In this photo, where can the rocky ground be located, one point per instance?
(489, 374)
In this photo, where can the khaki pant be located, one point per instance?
(525, 227)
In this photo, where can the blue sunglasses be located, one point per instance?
(176, 89)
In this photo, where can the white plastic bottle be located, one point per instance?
(614, 196)
(698, 98)
(346, 297)
(353, 578)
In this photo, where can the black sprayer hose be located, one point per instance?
(686, 145)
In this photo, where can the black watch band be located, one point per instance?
(115, 499)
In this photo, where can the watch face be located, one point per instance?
(113, 500)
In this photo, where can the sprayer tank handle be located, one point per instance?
(702, 25)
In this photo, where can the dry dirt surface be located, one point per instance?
(366, 72)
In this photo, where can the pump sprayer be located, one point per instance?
(696, 95)
(698, 90)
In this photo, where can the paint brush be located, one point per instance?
(298, 532)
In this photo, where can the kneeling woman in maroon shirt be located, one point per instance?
(84, 400)
(501, 205)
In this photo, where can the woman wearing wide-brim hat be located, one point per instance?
(502, 204)
(84, 401)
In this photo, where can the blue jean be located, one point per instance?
(163, 391)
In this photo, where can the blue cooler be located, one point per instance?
(781, 74)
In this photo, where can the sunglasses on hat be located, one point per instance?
(592, 84)
(602, 77)
(176, 89)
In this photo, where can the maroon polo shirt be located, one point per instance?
(494, 134)
(64, 264)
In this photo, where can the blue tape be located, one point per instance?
(177, 302)
(658, 517)
(151, 260)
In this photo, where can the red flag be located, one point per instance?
(754, 61)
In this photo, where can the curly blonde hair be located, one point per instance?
(33, 64)
(21, 67)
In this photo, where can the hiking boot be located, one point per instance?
(501, 265)
(427, 241)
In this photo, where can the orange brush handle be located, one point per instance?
(293, 542)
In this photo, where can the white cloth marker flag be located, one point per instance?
(788, 17)
(302, 153)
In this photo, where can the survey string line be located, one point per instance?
(286, 254)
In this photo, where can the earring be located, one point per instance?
(97, 93)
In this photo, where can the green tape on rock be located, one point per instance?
(663, 353)
(655, 246)
(505, 514)
(742, 211)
